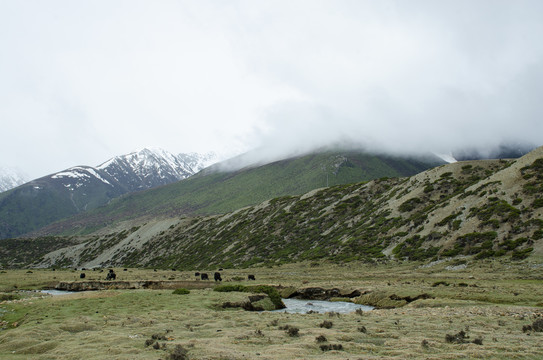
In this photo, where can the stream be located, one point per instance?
(293, 306)
(320, 306)
(56, 292)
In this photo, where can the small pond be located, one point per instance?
(320, 306)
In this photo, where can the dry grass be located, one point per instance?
(499, 299)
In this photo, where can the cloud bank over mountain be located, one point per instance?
(84, 81)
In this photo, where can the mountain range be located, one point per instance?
(81, 188)
(469, 210)
(225, 187)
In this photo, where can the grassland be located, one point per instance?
(489, 300)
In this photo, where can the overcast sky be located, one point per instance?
(82, 81)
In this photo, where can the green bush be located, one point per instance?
(521, 254)
(8, 297)
(181, 291)
(537, 203)
(272, 292)
(230, 288)
(409, 205)
(456, 224)
(428, 188)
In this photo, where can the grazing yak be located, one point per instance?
(204, 276)
(218, 276)
(111, 275)
(82, 275)
(251, 277)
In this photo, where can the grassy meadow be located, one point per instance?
(474, 310)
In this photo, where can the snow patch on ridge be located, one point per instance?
(79, 172)
(11, 178)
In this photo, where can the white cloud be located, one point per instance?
(83, 81)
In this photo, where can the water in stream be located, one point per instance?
(57, 292)
(304, 306)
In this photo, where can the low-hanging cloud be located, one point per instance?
(408, 77)
(84, 81)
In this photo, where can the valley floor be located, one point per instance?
(488, 302)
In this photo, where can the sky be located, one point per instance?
(83, 81)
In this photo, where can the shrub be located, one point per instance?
(428, 188)
(409, 204)
(321, 338)
(459, 338)
(179, 353)
(521, 254)
(181, 291)
(272, 292)
(485, 254)
(536, 326)
(8, 297)
(326, 324)
(331, 347)
(456, 224)
(537, 203)
(230, 288)
(291, 330)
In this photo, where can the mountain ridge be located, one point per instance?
(471, 209)
(214, 190)
(81, 188)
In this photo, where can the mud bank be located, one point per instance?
(126, 285)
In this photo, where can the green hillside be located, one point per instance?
(44, 201)
(215, 192)
(19, 213)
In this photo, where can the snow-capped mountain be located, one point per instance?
(11, 178)
(80, 188)
(148, 168)
(139, 170)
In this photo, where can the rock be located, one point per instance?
(318, 293)
(257, 302)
